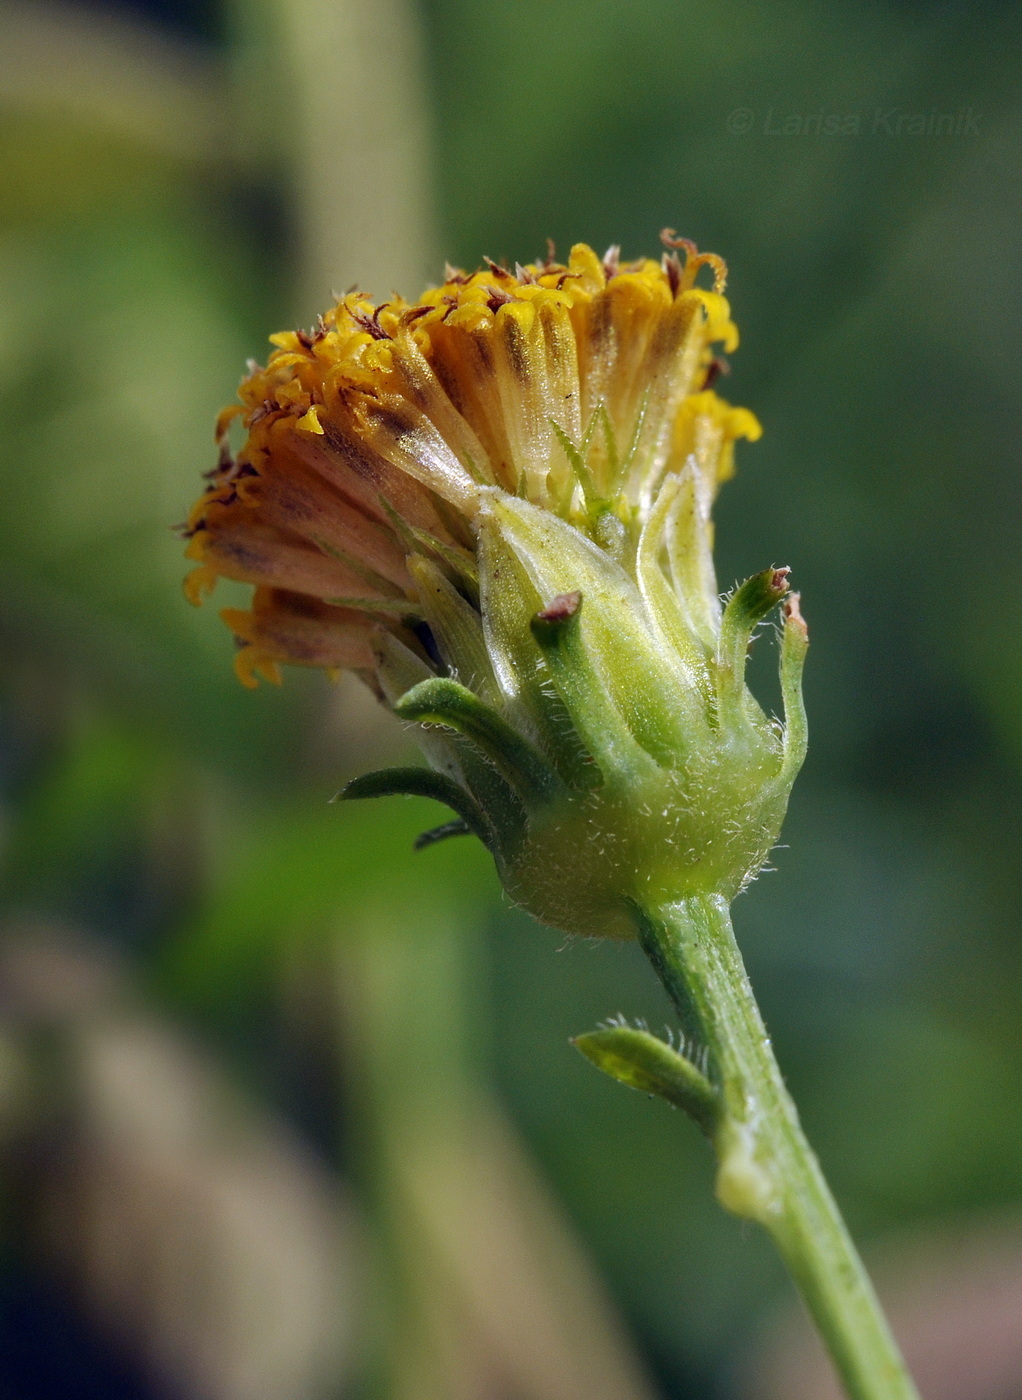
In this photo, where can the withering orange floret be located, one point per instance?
(578, 385)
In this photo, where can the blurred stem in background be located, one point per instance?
(335, 91)
(489, 1294)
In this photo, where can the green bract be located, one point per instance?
(597, 731)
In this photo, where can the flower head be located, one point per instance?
(494, 505)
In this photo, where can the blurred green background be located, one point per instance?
(221, 998)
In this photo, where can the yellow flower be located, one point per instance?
(581, 387)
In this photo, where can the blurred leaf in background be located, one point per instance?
(123, 306)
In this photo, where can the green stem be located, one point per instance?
(767, 1170)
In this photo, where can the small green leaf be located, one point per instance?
(746, 608)
(648, 1064)
(418, 782)
(442, 701)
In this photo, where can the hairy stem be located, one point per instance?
(767, 1171)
